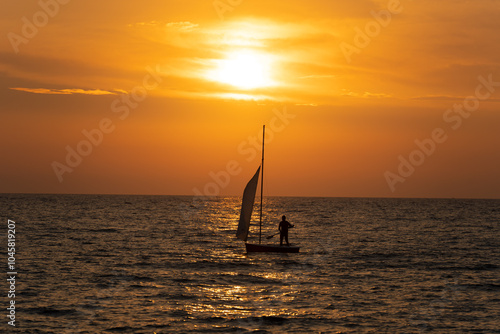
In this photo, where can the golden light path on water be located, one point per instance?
(250, 302)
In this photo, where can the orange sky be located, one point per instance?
(168, 97)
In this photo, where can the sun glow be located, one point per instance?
(243, 69)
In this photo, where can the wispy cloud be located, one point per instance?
(446, 98)
(366, 95)
(68, 91)
(318, 76)
(182, 26)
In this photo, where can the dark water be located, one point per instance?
(164, 264)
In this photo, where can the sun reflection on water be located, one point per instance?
(242, 302)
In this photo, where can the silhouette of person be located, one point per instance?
(283, 228)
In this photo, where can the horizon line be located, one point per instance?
(221, 196)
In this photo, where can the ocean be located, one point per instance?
(172, 264)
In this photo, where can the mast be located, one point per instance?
(262, 183)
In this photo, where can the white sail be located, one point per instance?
(247, 207)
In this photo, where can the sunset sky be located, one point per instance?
(360, 98)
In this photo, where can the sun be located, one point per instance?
(243, 69)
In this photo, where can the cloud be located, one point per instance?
(318, 76)
(447, 98)
(185, 26)
(182, 26)
(430, 49)
(25, 70)
(67, 91)
(366, 95)
(437, 98)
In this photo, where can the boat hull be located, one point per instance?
(258, 248)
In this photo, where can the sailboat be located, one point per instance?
(246, 213)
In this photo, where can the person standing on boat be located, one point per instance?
(283, 228)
